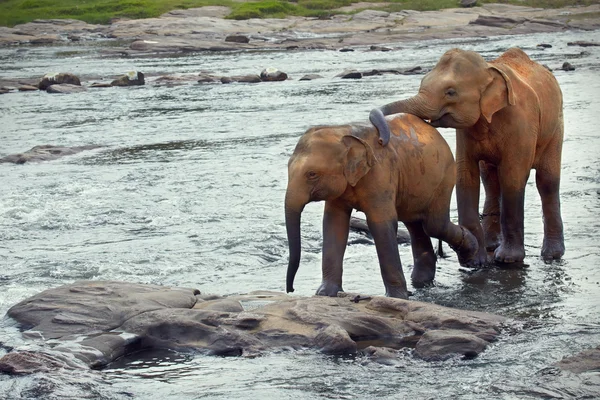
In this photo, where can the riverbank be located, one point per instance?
(206, 29)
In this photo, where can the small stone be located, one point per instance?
(468, 3)
(237, 39)
(544, 46)
(345, 50)
(567, 66)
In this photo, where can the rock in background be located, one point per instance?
(58, 78)
(132, 78)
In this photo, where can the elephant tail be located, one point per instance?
(378, 120)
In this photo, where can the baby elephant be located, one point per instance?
(409, 180)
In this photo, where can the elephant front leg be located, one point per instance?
(336, 226)
(467, 197)
(384, 235)
(490, 220)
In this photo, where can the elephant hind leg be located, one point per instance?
(548, 185)
(439, 226)
(424, 258)
(491, 208)
(547, 180)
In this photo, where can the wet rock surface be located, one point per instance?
(586, 361)
(58, 78)
(46, 152)
(133, 78)
(65, 88)
(91, 323)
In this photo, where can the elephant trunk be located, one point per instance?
(292, 225)
(414, 105)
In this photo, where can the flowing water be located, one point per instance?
(189, 192)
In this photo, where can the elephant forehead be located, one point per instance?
(322, 142)
(461, 61)
(316, 155)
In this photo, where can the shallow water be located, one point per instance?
(189, 192)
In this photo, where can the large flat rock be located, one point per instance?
(95, 322)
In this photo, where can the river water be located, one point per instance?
(189, 192)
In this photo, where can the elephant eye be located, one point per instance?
(312, 175)
(450, 92)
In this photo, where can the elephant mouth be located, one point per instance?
(445, 121)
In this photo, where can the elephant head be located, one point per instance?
(324, 164)
(456, 93)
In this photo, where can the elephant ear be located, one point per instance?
(359, 159)
(498, 93)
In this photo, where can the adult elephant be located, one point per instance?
(409, 180)
(508, 116)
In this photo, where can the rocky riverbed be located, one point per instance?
(206, 29)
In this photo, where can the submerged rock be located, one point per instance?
(58, 78)
(27, 88)
(586, 361)
(353, 74)
(45, 153)
(95, 322)
(65, 88)
(310, 77)
(583, 43)
(252, 78)
(132, 78)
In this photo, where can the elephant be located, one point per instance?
(410, 180)
(508, 116)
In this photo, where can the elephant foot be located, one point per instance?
(492, 241)
(508, 254)
(398, 292)
(553, 249)
(492, 231)
(423, 274)
(329, 289)
(468, 252)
